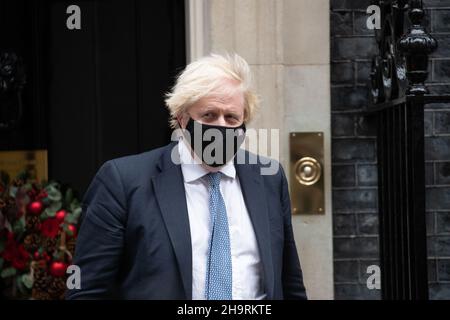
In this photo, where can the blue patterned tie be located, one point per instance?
(218, 269)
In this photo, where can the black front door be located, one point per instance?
(94, 93)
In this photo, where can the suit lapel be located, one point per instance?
(253, 192)
(171, 197)
(170, 194)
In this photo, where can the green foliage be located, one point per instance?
(73, 216)
(54, 194)
(27, 186)
(27, 280)
(53, 208)
(8, 272)
(13, 191)
(68, 197)
(21, 286)
(19, 226)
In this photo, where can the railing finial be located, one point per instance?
(416, 45)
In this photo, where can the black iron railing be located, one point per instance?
(399, 95)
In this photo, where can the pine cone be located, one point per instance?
(32, 223)
(46, 287)
(10, 209)
(70, 245)
(32, 242)
(57, 288)
(40, 295)
(50, 245)
(41, 283)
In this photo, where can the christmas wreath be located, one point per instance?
(38, 228)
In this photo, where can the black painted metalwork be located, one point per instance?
(399, 95)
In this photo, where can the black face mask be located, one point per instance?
(214, 145)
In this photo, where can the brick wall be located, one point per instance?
(355, 215)
(437, 154)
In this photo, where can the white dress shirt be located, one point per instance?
(247, 272)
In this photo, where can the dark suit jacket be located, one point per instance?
(134, 240)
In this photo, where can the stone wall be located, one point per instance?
(286, 43)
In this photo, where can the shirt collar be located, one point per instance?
(192, 168)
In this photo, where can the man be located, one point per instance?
(180, 222)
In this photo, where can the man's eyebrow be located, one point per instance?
(209, 107)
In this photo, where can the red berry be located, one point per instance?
(72, 229)
(58, 268)
(60, 215)
(35, 207)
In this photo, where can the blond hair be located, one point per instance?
(205, 77)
